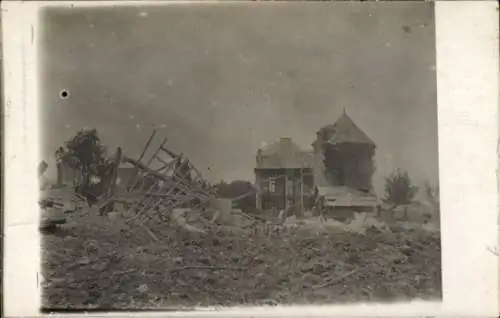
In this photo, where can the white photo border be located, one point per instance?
(468, 100)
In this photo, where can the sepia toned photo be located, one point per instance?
(238, 154)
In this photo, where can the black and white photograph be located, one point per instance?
(238, 154)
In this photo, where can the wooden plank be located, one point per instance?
(158, 201)
(163, 195)
(171, 153)
(156, 152)
(180, 182)
(198, 173)
(162, 161)
(133, 184)
(146, 146)
(143, 167)
(169, 167)
(147, 205)
(244, 195)
(138, 202)
(151, 234)
(334, 281)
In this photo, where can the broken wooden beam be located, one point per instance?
(150, 233)
(142, 166)
(157, 151)
(147, 145)
(133, 183)
(334, 281)
(182, 182)
(199, 267)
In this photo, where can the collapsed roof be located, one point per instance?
(284, 154)
(342, 196)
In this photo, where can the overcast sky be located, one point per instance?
(221, 80)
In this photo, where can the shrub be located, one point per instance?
(399, 189)
(87, 156)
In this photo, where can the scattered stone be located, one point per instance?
(84, 261)
(143, 288)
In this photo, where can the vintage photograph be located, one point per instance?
(238, 154)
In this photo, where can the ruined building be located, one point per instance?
(284, 177)
(343, 169)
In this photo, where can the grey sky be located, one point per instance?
(224, 78)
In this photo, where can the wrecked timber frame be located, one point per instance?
(175, 184)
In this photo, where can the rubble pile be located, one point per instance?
(154, 193)
(166, 241)
(105, 265)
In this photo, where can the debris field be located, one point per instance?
(165, 240)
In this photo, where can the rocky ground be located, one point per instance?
(93, 262)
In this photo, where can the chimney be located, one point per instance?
(285, 144)
(259, 157)
(286, 148)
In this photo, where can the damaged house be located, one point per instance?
(284, 177)
(343, 170)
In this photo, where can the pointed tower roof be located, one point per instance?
(344, 130)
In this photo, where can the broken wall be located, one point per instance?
(350, 165)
